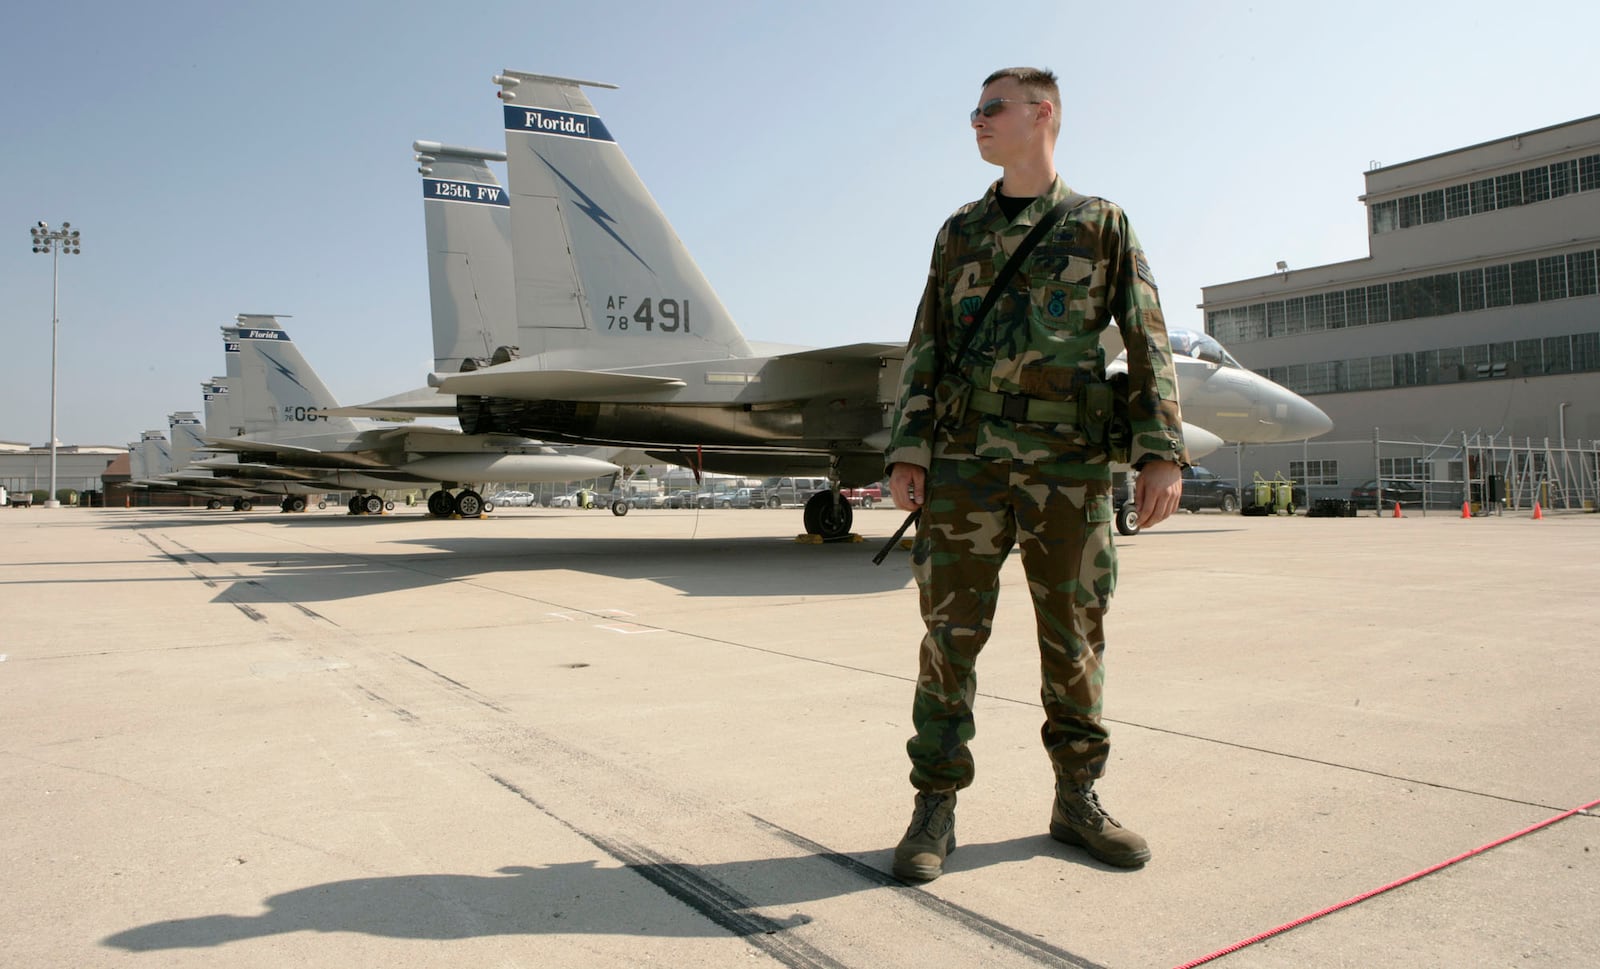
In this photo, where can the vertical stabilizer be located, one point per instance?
(602, 281)
(157, 455)
(467, 215)
(185, 429)
(218, 397)
(275, 387)
(136, 465)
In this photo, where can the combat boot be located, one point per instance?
(930, 838)
(1078, 819)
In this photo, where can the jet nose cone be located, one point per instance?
(1308, 420)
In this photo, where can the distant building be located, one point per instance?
(1475, 314)
(25, 467)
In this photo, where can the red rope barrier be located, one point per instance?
(1379, 891)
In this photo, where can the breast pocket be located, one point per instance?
(1060, 280)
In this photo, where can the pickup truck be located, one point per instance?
(864, 497)
(1203, 488)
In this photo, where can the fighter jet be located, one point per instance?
(621, 340)
(282, 408)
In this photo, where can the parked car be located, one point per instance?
(681, 499)
(1366, 494)
(786, 492)
(1204, 488)
(864, 497)
(513, 499)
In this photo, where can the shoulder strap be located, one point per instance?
(1045, 224)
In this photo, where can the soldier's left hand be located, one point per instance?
(1156, 491)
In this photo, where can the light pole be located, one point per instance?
(64, 239)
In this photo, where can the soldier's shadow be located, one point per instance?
(739, 898)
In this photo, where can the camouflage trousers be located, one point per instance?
(974, 511)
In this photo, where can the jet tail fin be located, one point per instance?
(275, 387)
(602, 281)
(467, 217)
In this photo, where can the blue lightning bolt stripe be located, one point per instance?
(285, 371)
(596, 214)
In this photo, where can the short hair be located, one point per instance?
(1040, 85)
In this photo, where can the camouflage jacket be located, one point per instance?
(1042, 337)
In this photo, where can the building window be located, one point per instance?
(1472, 289)
(1275, 321)
(1585, 352)
(1355, 307)
(1536, 184)
(1580, 274)
(1294, 315)
(1558, 354)
(1433, 206)
(1525, 281)
(1378, 303)
(1450, 364)
(1482, 196)
(1314, 472)
(1382, 372)
(1358, 373)
(1333, 308)
(1457, 201)
(1446, 294)
(1410, 211)
(1497, 285)
(1530, 355)
(1407, 298)
(1589, 173)
(1256, 322)
(1507, 190)
(1563, 178)
(1384, 217)
(1553, 277)
(1315, 321)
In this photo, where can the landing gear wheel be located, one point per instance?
(237, 504)
(245, 504)
(1128, 519)
(372, 505)
(441, 505)
(1230, 504)
(297, 504)
(619, 508)
(283, 506)
(356, 507)
(469, 504)
(828, 517)
(388, 506)
(213, 504)
(321, 505)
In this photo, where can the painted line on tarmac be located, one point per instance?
(998, 932)
(711, 898)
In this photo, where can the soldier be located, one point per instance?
(1001, 437)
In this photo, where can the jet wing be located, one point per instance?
(520, 380)
(851, 352)
(421, 402)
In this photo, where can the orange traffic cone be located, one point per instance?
(1537, 514)
(1466, 509)
(1397, 510)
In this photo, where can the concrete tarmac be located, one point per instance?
(561, 738)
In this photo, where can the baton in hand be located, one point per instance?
(883, 553)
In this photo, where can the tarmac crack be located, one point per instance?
(707, 896)
(995, 931)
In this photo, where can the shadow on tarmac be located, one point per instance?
(572, 898)
(728, 567)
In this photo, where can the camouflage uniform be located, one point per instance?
(994, 482)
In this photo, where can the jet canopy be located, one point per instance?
(1191, 343)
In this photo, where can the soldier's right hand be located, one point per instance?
(906, 484)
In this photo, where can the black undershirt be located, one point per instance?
(1012, 207)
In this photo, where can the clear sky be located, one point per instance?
(228, 157)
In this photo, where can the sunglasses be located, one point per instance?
(994, 106)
